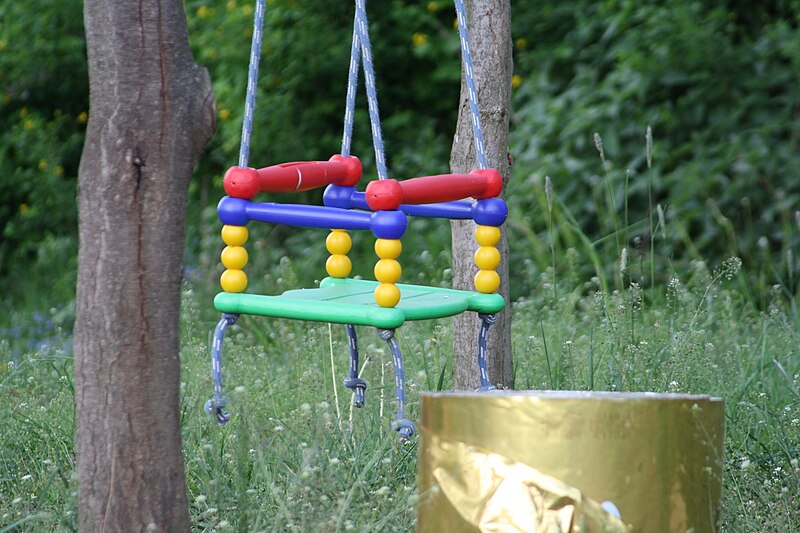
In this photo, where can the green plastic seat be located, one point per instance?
(351, 301)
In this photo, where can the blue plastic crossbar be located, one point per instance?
(383, 224)
(489, 211)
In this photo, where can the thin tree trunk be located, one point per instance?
(151, 115)
(490, 42)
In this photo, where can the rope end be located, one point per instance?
(216, 408)
(405, 429)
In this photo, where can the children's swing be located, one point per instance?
(383, 209)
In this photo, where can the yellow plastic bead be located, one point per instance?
(234, 257)
(387, 270)
(487, 235)
(338, 266)
(233, 281)
(388, 248)
(338, 242)
(387, 295)
(487, 257)
(234, 235)
(487, 281)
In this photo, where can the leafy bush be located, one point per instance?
(717, 88)
(43, 103)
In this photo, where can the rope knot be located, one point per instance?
(488, 318)
(355, 383)
(216, 407)
(405, 429)
(386, 334)
(358, 386)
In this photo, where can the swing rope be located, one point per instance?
(472, 91)
(352, 86)
(361, 51)
(252, 83)
(216, 405)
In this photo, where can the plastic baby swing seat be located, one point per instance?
(383, 209)
(344, 300)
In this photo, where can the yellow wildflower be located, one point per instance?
(59, 170)
(28, 124)
(247, 9)
(83, 117)
(23, 112)
(42, 164)
(231, 5)
(23, 208)
(419, 39)
(433, 6)
(202, 11)
(224, 114)
(521, 43)
(516, 81)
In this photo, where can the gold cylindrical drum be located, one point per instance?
(570, 461)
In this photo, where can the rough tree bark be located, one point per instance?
(490, 43)
(151, 115)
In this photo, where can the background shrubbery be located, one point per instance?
(715, 81)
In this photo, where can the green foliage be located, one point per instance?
(43, 104)
(717, 94)
(719, 97)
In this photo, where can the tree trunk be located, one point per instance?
(151, 115)
(489, 23)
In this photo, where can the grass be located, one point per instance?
(296, 457)
(288, 462)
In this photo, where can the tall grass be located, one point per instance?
(287, 462)
(297, 457)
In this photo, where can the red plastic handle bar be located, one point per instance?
(292, 177)
(390, 194)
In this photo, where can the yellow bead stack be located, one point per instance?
(338, 244)
(387, 271)
(487, 257)
(234, 258)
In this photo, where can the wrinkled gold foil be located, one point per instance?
(541, 462)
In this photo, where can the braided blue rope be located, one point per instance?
(362, 25)
(469, 74)
(216, 405)
(404, 427)
(252, 83)
(353, 382)
(352, 87)
(486, 322)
